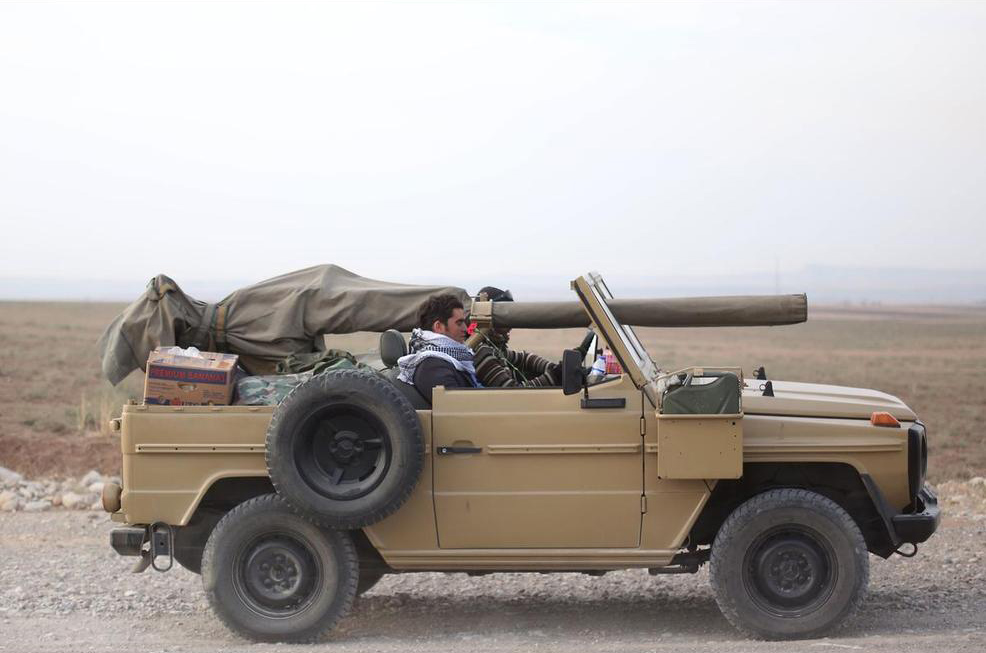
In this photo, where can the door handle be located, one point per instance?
(444, 451)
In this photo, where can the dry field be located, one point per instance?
(54, 403)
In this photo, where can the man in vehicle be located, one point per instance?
(438, 354)
(500, 367)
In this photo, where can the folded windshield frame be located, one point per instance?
(637, 348)
(624, 342)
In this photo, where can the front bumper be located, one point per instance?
(912, 526)
(917, 526)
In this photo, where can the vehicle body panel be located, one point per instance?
(172, 455)
(819, 400)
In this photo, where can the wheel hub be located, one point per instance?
(345, 446)
(789, 571)
(342, 454)
(278, 574)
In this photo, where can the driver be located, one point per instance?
(500, 367)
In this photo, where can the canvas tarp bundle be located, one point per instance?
(263, 323)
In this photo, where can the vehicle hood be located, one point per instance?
(817, 400)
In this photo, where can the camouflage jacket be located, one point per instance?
(499, 367)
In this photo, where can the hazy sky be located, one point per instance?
(445, 141)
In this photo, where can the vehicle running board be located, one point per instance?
(683, 563)
(673, 569)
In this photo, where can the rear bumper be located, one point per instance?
(128, 541)
(918, 526)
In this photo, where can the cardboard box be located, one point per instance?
(188, 380)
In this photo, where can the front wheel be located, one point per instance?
(788, 564)
(273, 576)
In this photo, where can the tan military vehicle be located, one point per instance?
(289, 512)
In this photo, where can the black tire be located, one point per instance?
(367, 579)
(345, 448)
(273, 576)
(789, 564)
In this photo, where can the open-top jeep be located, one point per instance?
(290, 511)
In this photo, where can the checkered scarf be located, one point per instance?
(425, 344)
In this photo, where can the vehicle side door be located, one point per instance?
(533, 468)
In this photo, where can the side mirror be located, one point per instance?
(572, 374)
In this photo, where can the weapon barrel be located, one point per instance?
(750, 310)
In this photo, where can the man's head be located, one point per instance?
(499, 336)
(444, 314)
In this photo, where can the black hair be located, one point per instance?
(494, 294)
(437, 308)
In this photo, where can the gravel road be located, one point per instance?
(63, 589)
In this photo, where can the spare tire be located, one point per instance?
(345, 448)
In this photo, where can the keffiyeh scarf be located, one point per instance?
(425, 344)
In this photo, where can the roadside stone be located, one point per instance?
(71, 500)
(96, 488)
(9, 476)
(56, 500)
(92, 476)
(977, 481)
(96, 505)
(11, 505)
(37, 506)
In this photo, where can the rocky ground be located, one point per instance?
(19, 494)
(63, 589)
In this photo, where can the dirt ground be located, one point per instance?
(79, 596)
(934, 358)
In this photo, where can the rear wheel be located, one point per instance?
(273, 576)
(789, 564)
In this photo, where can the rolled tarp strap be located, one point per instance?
(201, 337)
(747, 310)
(218, 328)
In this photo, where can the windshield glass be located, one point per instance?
(626, 332)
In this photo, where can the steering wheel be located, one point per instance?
(583, 347)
